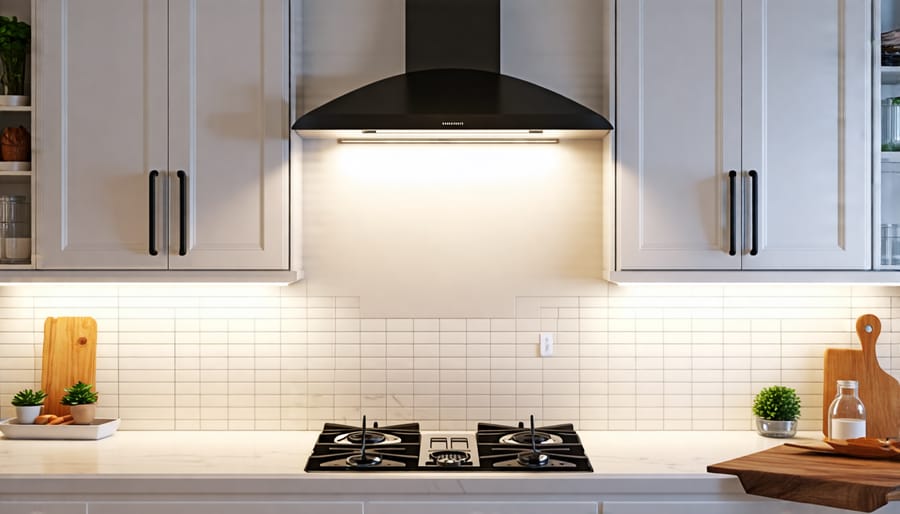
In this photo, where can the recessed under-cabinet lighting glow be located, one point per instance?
(142, 284)
(774, 285)
(459, 165)
(455, 141)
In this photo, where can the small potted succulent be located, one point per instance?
(28, 405)
(776, 409)
(81, 401)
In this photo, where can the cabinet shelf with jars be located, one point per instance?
(16, 135)
(887, 151)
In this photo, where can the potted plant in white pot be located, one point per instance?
(776, 409)
(81, 401)
(15, 36)
(28, 405)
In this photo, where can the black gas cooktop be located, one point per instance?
(405, 448)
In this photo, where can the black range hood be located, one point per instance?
(452, 89)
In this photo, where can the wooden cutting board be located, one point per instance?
(878, 390)
(800, 475)
(69, 355)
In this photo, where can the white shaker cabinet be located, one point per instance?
(43, 507)
(226, 507)
(482, 507)
(732, 506)
(775, 91)
(163, 134)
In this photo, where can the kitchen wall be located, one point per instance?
(452, 231)
(430, 274)
(260, 358)
(890, 15)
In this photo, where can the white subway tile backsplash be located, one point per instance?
(266, 358)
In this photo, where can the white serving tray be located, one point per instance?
(98, 429)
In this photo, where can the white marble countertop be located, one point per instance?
(272, 463)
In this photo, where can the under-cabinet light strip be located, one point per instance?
(351, 140)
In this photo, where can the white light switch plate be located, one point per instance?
(546, 344)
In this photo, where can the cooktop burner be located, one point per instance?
(371, 438)
(491, 448)
(526, 437)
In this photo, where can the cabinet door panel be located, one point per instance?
(43, 508)
(717, 507)
(101, 122)
(806, 120)
(228, 131)
(677, 132)
(236, 507)
(482, 507)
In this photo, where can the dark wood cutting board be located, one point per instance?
(879, 391)
(801, 475)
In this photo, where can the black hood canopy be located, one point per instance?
(452, 88)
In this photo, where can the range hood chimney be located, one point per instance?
(452, 90)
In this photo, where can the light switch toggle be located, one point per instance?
(546, 344)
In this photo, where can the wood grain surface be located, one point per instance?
(804, 476)
(69, 355)
(869, 449)
(878, 390)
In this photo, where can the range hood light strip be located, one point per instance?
(432, 140)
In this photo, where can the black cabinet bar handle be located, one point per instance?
(182, 212)
(152, 245)
(732, 242)
(754, 212)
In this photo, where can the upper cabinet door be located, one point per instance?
(228, 133)
(101, 128)
(678, 133)
(806, 122)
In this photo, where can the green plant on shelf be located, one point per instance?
(29, 398)
(15, 36)
(79, 394)
(777, 403)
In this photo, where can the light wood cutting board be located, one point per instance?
(878, 390)
(69, 355)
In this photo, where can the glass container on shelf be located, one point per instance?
(15, 229)
(890, 124)
(890, 213)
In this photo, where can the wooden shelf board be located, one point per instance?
(15, 108)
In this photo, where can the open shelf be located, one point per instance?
(890, 75)
(15, 177)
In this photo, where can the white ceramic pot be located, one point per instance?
(83, 414)
(25, 415)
